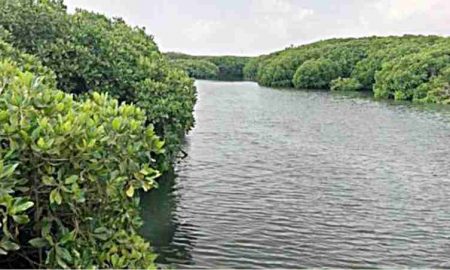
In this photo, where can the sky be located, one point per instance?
(255, 27)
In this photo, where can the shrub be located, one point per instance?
(279, 71)
(250, 69)
(345, 84)
(437, 90)
(199, 69)
(26, 62)
(230, 67)
(347, 55)
(211, 67)
(69, 172)
(404, 78)
(315, 74)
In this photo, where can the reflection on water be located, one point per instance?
(286, 179)
(170, 237)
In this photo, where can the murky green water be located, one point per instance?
(289, 179)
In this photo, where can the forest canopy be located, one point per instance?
(226, 68)
(403, 68)
(395, 67)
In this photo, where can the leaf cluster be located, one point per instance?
(81, 117)
(68, 174)
(90, 52)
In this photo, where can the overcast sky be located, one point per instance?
(252, 27)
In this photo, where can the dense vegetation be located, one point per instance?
(88, 52)
(73, 160)
(404, 68)
(345, 84)
(226, 68)
(198, 69)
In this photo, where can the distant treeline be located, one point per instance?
(227, 68)
(410, 67)
(415, 68)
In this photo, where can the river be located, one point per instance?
(286, 179)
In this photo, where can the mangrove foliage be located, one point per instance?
(91, 113)
(225, 68)
(409, 67)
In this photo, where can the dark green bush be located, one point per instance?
(198, 69)
(316, 74)
(69, 171)
(88, 51)
(407, 78)
(35, 24)
(393, 67)
(347, 55)
(275, 74)
(345, 84)
(364, 71)
(230, 67)
(437, 90)
(27, 63)
(250, 70)
(227, 68)
(279, 71)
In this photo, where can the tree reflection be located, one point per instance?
(171, 237)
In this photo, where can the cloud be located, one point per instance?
(252, 27)
(279, 17)
(263, 23)
(399, 10)
(201, 30)
(285, 8)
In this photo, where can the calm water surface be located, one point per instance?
(289, 179)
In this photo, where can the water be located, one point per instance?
(289, 179)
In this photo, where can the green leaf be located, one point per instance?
(48, 181)
(130, 191)
(21, 219)
(64, 253)
(67, 238)
(60, 107)
(20, 205)
(55, 197)
(114, 260)
(41, 143)
(116, 123)
(4, 115)
(72, 179)
(9, 245)
(159, 144)
(38, 242)
(96, 96)
(8, 170)
(61, 262)
(102, 233)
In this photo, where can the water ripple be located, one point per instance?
(294, 179)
